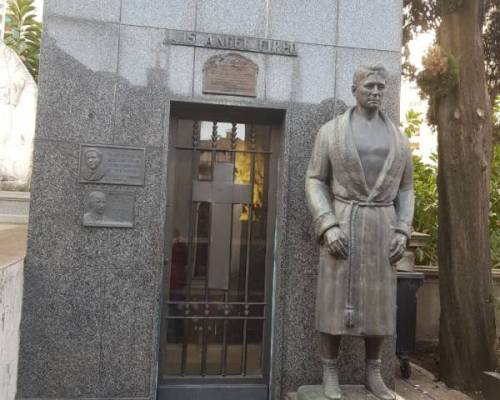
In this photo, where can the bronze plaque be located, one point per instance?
(112, 164)
(109, 209)
(230, 74)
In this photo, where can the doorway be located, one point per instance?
(216, 312)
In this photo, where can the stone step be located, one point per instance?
(14, 207)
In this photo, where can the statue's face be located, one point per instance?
(369, 92)
(98, 202)
(93, 160)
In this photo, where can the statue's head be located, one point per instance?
(368, 86)
(97, 202)
(93, 158)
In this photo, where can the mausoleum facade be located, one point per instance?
(171, 254)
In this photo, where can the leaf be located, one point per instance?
(23, 33)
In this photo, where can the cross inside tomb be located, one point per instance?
(221, 193)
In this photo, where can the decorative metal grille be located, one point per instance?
(216, 313)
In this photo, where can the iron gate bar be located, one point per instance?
(219, 318)
(195, 141)
(249, 242)
(204, 349)
(216, 379)
(204, 341)
(219, 303)
(206, 150)
(224, 346)
(234, 131)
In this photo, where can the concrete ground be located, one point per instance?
(12, 242)
(423, 386)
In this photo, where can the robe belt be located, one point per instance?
(355, 205)
(362, 203)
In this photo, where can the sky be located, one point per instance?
(39, 8)
(410, 98)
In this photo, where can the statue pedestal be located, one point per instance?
(349, 392)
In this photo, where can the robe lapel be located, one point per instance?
(393, 163)
(348, 159)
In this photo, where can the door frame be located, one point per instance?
(214, 387)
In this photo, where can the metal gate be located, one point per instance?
(215, 333)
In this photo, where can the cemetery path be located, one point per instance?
(12, 243)
(423, 386)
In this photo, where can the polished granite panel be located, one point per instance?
(145, 61)
(234, 17)
(171, 14)
(77, 91)
(99, 10)
(301, 21)
(374, 24)
(129, 327)
(308, 78)
(61, 337)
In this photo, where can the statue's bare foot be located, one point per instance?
(374, 382)
(331, 385)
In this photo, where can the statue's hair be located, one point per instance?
(93, 150)
(96, 194)
(364, 71)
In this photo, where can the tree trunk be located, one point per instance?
(467, 323)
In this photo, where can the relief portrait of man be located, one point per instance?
(93, 168)
(96, 204)
(359, 189)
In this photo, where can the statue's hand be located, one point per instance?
(398, 247)
(336, 242)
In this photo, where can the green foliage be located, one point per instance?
(491, 44)
(496, 120)
(425, 16)
(413, 122)
(426, 196)
(426, 208)
(438, 78)
(441, 84)
(23, 33)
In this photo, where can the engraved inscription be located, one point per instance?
(112, 164)
(109, 209)
(231, 42)
(230, 74)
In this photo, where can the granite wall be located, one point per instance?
(91, 301)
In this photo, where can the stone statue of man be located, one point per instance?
(359, 189)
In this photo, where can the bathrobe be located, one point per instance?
(357, 296)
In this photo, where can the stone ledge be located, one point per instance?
(15, 196)
(14, 207)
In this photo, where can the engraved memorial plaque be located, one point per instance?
(112, 164)
(109, 209)
(230, 74)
